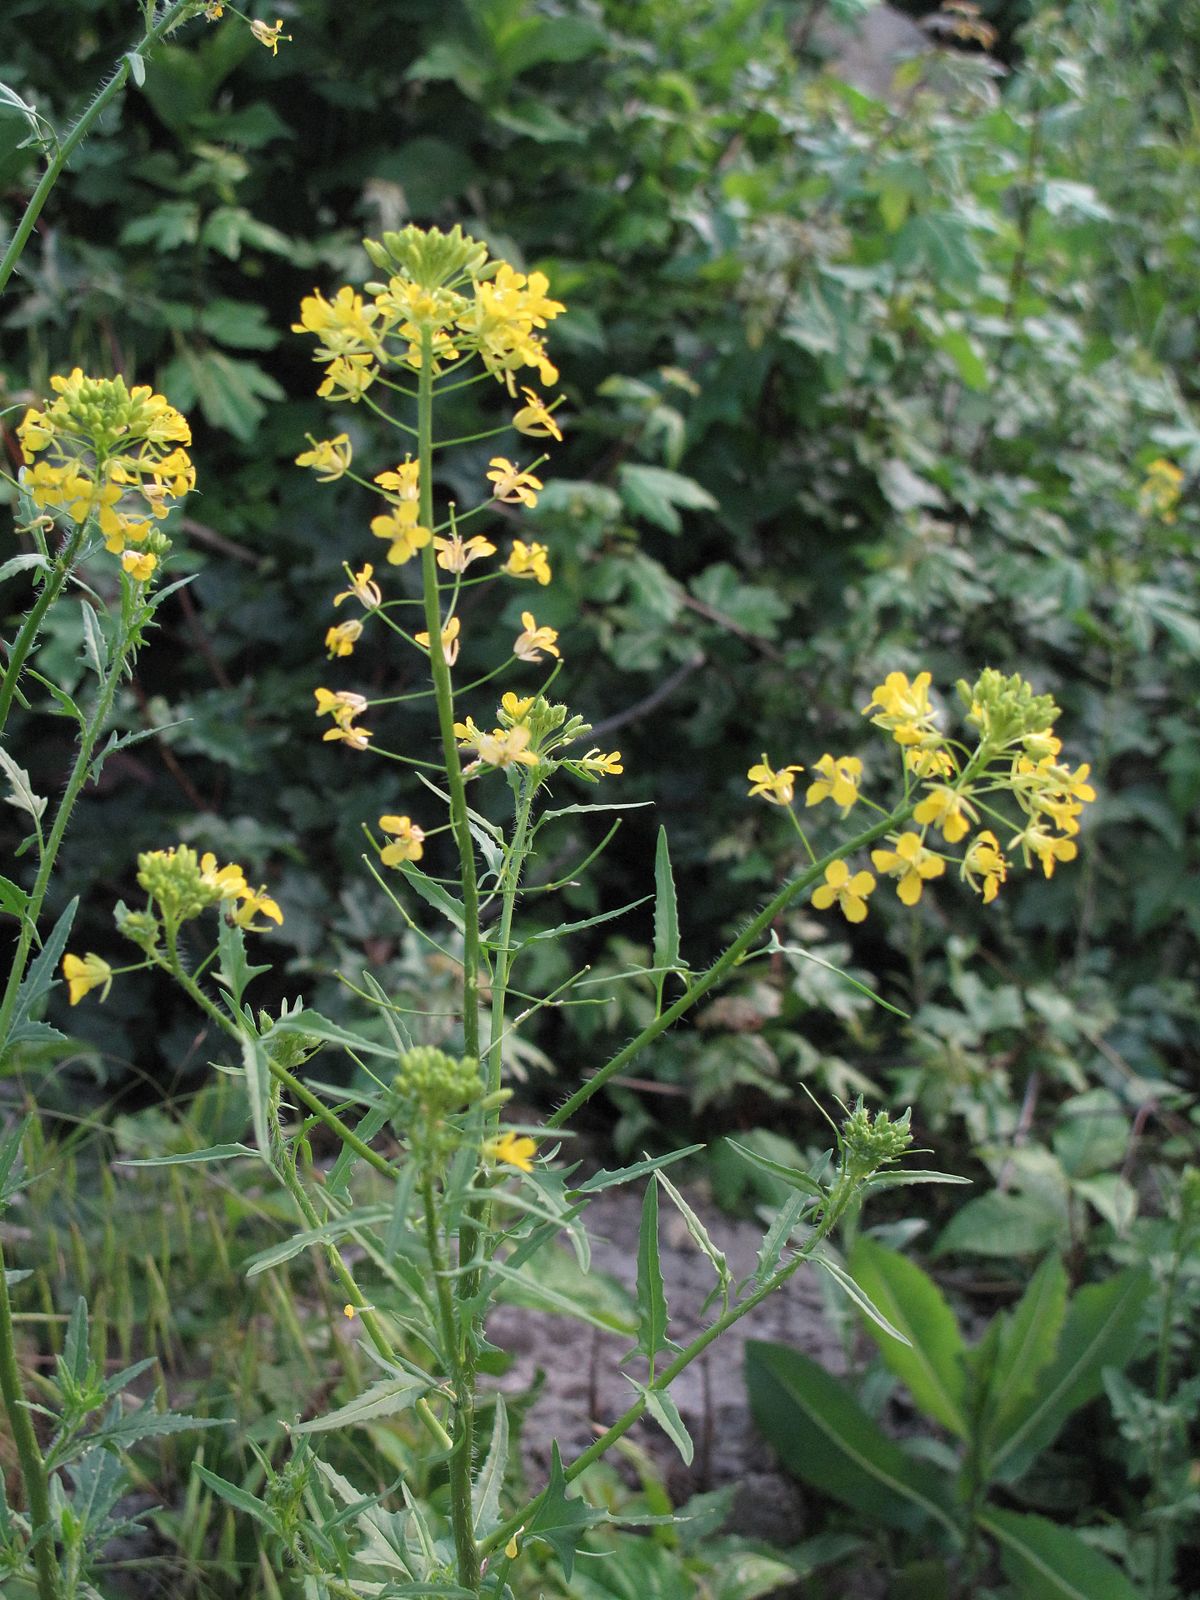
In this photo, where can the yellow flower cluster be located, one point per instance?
(530, 733)
(111, 453)
(1161, 492)
(182, 885)
(1017, 753)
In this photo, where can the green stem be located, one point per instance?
(514, 862)
(31, 627)
(1162, 1384)
(445, 708)
(462, 1375)
(724, 963)
(79, 776)
(104, 98)
(33, 1468)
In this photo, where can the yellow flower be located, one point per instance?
(839, 781)
(406, 538)
(348, 377)
(356, 738)
(511, 485)
(404, 482)
(516, 706)
(776, 788)
(849, 892)
(340, 640)
(225, 883)
(343, 706)
(456, 555)
(270, 36)
(329, 458)
(528, 561)
(511, 1150)
(947, 809)
(535, 419)
(84, 976)
(450, 640)
(501, 748)
(983, 857)
(369, 594)
(214, 10)
(597, 761)
(254, 903)
(1049, 848)
(910, 863)
(1162, 489)
(930, 762)
(409, 842)
(904, 707)
(530, 644)
(139, 567)
(348, 1311)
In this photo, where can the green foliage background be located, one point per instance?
(852, 386)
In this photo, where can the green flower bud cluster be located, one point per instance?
(429, 1087)
(551, 725)
(1006, 709)
(173, 879)
(428, 256)
(871, 1142)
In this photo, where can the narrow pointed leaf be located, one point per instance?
(666, 1413)
(560, 1520)
(792, 1176)
(651, 1295)
(862, 1300)
(39, 980)
(384, 1399)
(434, 895)
(666, 907)
(1026, 1345)
(786, 1219)
(485, 1492)
(608, 1178)
(258, 1089)
(697, 1230)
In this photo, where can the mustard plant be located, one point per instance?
(474, 1198)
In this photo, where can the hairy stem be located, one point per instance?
(31, 627)
(33, 1467)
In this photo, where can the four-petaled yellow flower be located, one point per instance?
(528, 561)
(597, 761)
(408, 843)
(229, 882)
(511, 484)
(456, 554)
(777, 788)
(270, 35)
(530, 644)
(139, 566)
(947, 809)
(849, 892)
(256, 902)
(910, 863)
(356, 738)
(406, 537)
(1049, 848)
(930, 762)
(340, 640)
(92, 972)
(983, 858)
(368, 594)
(501, 748)
(511, 1150)
(904, 707)
(535, 419)
(516, 706)
(839, 781)
(450, 640)
(329, 458)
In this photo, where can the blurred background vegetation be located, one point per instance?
(856, 381)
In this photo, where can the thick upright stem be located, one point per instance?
(33, 1468)
(462, 1375)
(514, 862)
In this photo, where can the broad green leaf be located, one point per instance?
(1100, 1330)
(931, 1367)
(822, 1435)
(384, 1399)
(651, 1295)
(656, 494)
(1003, 1225)
(967, 357)
(560, 1520)
(489, 1481)
(666, 909)
(861, 1299)
(1048, 1562)
(1025, 1345)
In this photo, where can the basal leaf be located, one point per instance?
(1048, 1562)
(931, 1367)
